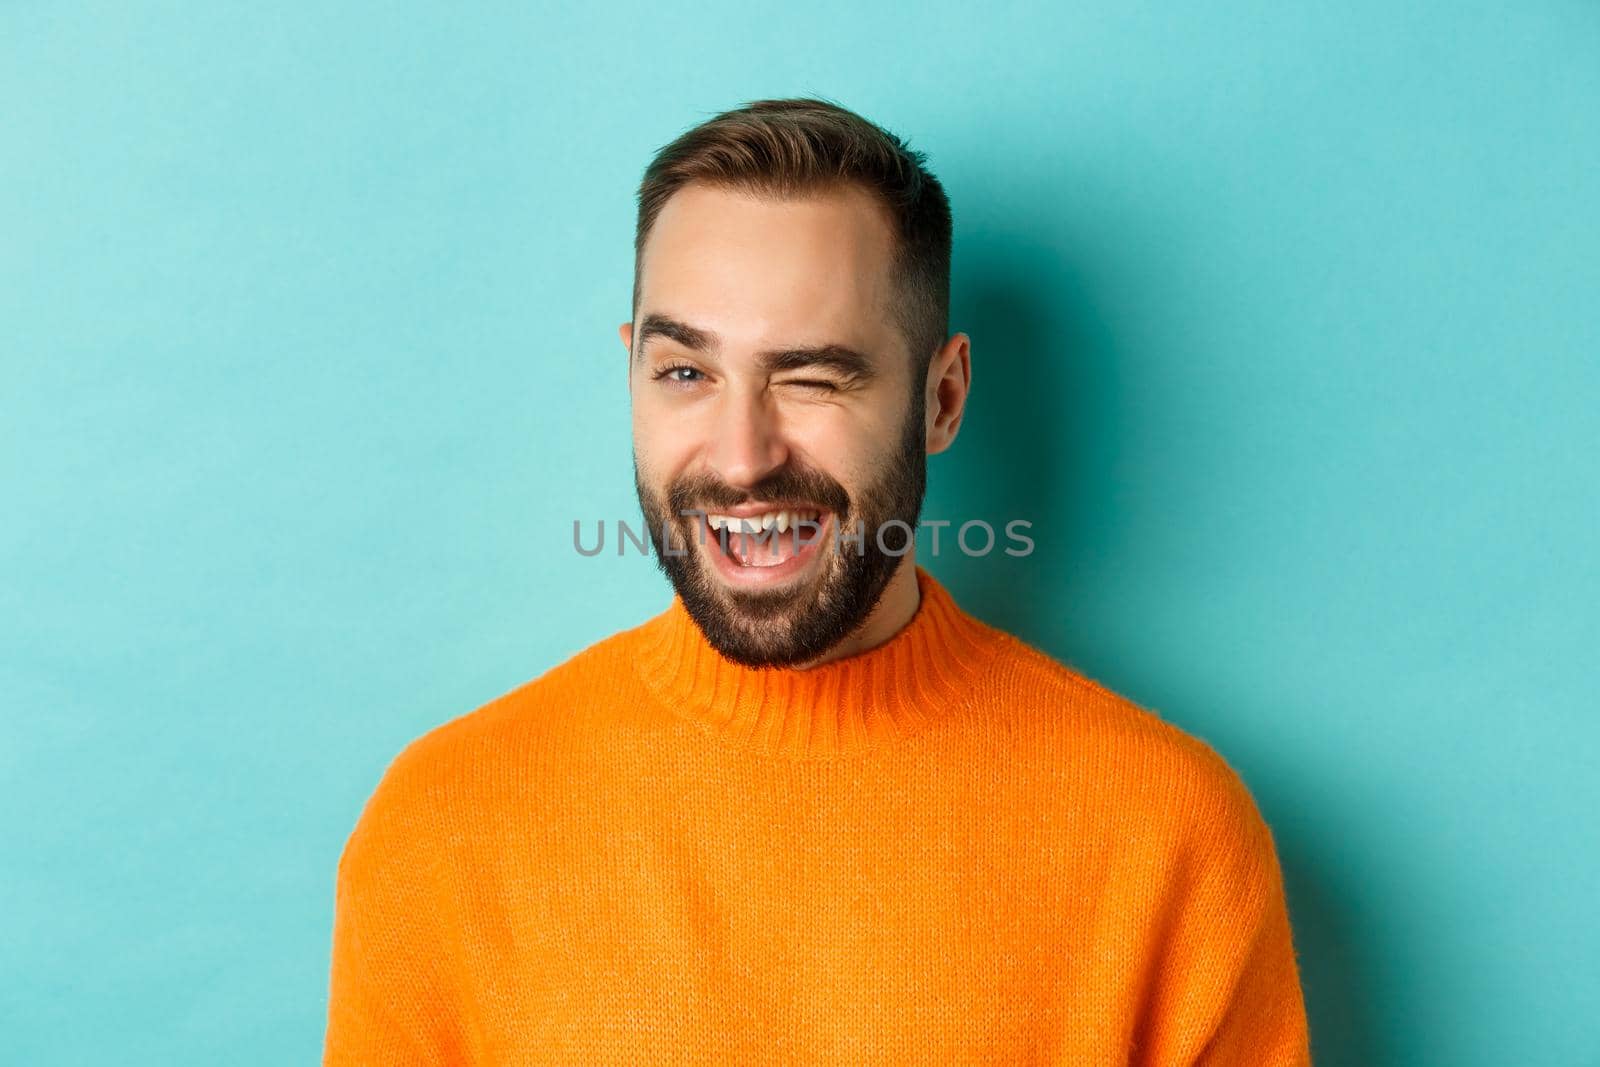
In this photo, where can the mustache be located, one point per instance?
(790, 485)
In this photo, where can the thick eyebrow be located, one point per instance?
(661, 326)
(846, 362)
(841, 359)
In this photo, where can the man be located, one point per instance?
(813, 812)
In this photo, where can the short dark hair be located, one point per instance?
(797, 146)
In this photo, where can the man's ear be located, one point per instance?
(949, 382)
(625, 331)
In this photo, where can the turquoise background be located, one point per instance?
(1285, 336)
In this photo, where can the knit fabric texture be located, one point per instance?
(950, 848)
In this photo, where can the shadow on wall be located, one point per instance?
(1039, 442)
(1334, 960)
(1042, 369)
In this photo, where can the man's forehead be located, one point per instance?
(737, 262)
(842, 229)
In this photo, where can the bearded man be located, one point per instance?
(814, 811)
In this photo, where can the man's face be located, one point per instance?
(771, 383)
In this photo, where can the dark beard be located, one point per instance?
(785, 627)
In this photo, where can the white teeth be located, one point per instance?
(783, 520)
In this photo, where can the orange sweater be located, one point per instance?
(948, 849)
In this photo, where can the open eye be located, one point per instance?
(679, 373)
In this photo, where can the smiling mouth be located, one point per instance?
(768, 540)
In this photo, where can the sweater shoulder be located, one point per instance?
(438, 765)
(1132, 749)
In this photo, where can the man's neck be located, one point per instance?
(896, 606)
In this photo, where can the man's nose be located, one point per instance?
(748, 443)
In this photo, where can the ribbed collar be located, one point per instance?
(855, 704)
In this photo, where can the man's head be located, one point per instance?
(788, 357)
